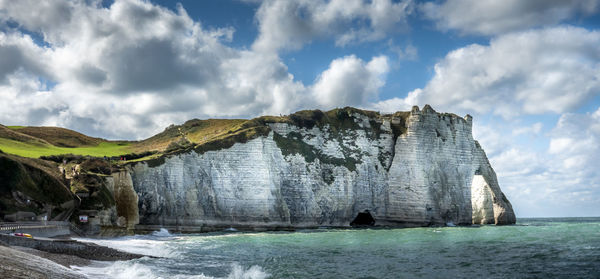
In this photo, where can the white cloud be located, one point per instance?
(490, 138)
(574, 143)
(23, 99)
(559, 180)
(490, 17)
(349, 81)
(289, 24)
(574, 157)
(409, 52)
(133, 63)
(20, 53)
(131, 69)
(552, 70)
(534, 129)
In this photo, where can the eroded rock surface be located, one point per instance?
(415, 168)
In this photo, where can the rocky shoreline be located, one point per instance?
(52, 258)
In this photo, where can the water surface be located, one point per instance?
(535, 248)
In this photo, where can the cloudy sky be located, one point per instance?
(528, 71)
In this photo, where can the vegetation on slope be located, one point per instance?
(194, 131)
(33, 150)
(34, 142)
(59, 137)
(199, 135)
(9, 133)
(31, 185)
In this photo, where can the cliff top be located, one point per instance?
(202, 135)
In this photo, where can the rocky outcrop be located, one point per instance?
(17, 265)
(126, 199)
(107, 198)
(414, 168)
(33, 190)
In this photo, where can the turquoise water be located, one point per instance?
(535, 248)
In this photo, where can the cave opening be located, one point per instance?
(363, 219)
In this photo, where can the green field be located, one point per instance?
(36, 150)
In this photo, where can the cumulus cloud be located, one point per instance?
(574, 142)
(289, 24)
(133, 64)
(350, 81)
(558, 179)
(552, 70)
(20, 53)
(129, 70)
(397, 104)
(534, 129)
(490, 17)
(573, 152)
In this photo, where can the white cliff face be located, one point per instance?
(325, 175)
(430, 177)
(482, 201)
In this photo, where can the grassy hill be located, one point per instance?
(194, 131)
(56, 136)
(25, 149)
(34, 142)
(202, 135)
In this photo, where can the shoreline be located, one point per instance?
(52, 258)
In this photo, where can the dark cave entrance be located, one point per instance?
(363, 219)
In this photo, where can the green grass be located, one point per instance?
(149, 157)
(36, 150)
(15, 127)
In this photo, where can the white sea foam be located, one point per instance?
(135, 270)
(254, 272)
(144, 245)
(117, 270)
(162, 233)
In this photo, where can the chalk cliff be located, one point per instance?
(316, 168)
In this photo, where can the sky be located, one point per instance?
(527, 71)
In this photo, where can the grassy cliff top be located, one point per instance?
(34, 142)
(202, 135)
(195, 131)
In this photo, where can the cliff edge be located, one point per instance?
(314, 168)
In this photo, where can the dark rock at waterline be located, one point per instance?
(18, 264)
(83, 250)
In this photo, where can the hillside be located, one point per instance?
(209, 134)
(34, 142)
(200, 135)
(33, 185)
(10, 134)
(195, 131)
(59, 137)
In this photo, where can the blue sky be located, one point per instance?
(528, 71)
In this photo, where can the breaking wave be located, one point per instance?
(135, 270)
(156, 244)
(162, 233)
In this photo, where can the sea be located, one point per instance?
(533, 248)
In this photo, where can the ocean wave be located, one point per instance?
(117, 270)
(254, 272)
(162, 233)
(135, 270)
(138, 245)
